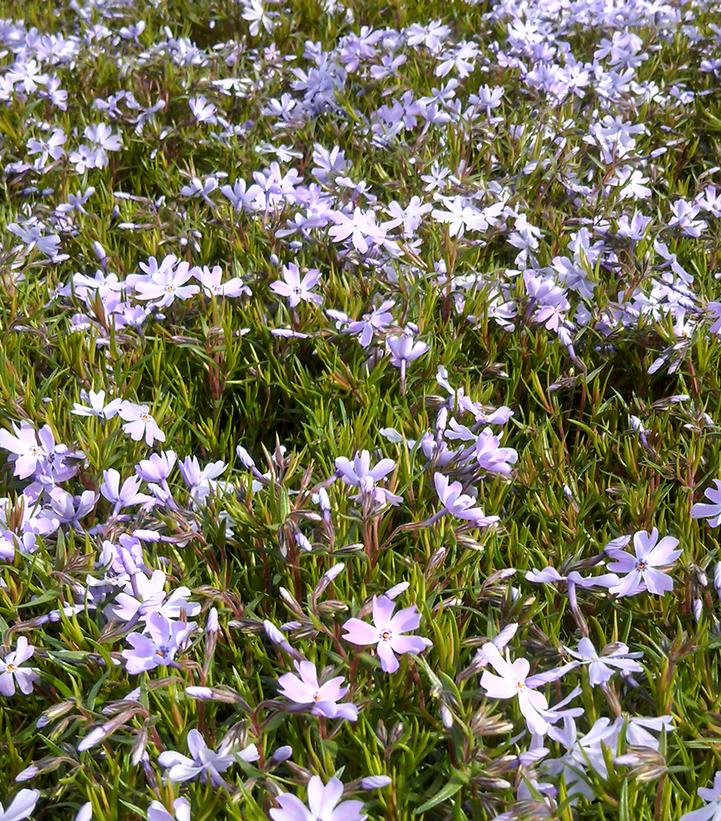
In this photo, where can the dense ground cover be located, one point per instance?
(360, 405)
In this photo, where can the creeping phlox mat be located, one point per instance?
(360, 410)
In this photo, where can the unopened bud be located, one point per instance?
(282, 754)
(375, 782)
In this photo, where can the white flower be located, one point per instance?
(512, 681)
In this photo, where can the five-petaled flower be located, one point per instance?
(295, 289)
(513, 681)
(11, 673)
(203, 763)
(320, 698)
(602, 667)
(643, 569)
(387, 632)
(322, 804)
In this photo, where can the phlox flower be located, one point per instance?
(642, 569)
(387, 632)
(69, 509)
(500, 641)
(241, 196)
(210, 280)
(256, 14)
(124, 495)
(359, 228)
(684, 217)
(322, 804)
(321, 698)
(163, 288)
(22, 806)
(202, 110)
(638, 729)
(360, 474)
(601, 668)
(157, 467)
(202, 188)
(96, 405)
(145, 595)
(459, 504)
(404, 349)
(201, 481)
(712, 810)
(50, 148)
(491, 457)
(295, 289)
(513, 681)
(11, 673)
(163, 640)
(27, 447)
(376, 320)
(102, 136)
(712, 512)
(139, 424)
(547, 300)
(203, 762)
(582, 753)
(181, 811)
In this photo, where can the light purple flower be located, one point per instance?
(21, 806)
(145, 595)
(322, 804)
(166, 284)
(375, 782)
(459, 504)
(96, 405)
(513, 681)
(712, 810)
(499, 641)
(295, 289)
(582, 752)
(387, 632)
(203, 762)
(159, 646)
(404, 349)
(201, 481)
(85, 813)
(124, 495)
(601, 668)
(377, 320)
(157, 468)
(70, 509)
(11, 673)
(139, 423)
(359, 227)
(360, 474)
(202, 110)
(321, 698)
(181, 811)
(491, 457)
(712, 511)
(210, 279)
(28, 448)
(642, 569)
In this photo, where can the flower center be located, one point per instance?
(386, 635)
(144, 417)
(641, 565)
(520, 685)
(297, 290)
(11, 668)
